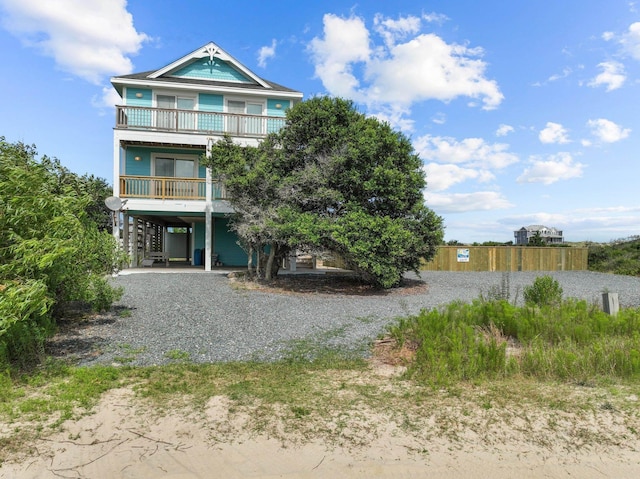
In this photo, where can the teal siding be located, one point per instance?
(212, 103)
(138, 168)
(204, 70)
(143, 167)
(275, 125)
(198, 235)
(135, 117)
(224, 242)
(133, 100)
(229, 253)
(272, 110)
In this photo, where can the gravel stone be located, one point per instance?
(202, 317)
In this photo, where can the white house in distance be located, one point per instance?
(167, 120)
(549, 235)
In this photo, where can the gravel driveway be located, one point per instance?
(202, 317)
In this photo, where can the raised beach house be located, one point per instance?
(167, 119)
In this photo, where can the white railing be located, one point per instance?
(190, 121)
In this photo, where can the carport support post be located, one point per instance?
(207, 214)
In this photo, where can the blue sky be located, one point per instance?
(523, 112)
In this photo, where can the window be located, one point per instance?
(175, 167)
(247, 119)
(175, 178)
(180, 119)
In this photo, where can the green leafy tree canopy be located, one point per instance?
(335, 180)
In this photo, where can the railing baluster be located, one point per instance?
(143, 118)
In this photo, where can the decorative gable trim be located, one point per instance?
(210, 50)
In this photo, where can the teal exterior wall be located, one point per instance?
(203, 69)
(133, 100)
(135, 117)
(143, 167)
(198, 235)
(272, 110)
(226, 246)
(212, 103)
(224, 242)
(275, 125)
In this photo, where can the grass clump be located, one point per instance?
(546, 339)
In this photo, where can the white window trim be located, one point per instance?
(261, 102)
(192, 96)
(194, 158)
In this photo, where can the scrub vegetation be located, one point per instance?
(620, 256)
(55, 249)
(546, 339)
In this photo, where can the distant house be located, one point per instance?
(549, 235)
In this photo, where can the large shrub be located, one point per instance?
(51, 249)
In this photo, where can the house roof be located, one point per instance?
(224, 72)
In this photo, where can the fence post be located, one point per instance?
(610, 303)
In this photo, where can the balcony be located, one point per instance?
(165, 188)
(191, 121)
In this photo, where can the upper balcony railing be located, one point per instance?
(192, 121)
(165, 188)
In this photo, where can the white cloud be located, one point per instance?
(345, 42)
(631, 40)
(555, 168)
(565, 73)
(406, 68)
(608, 131)
(439, 118)
(88, 38)
(463, 202)
(435, 17)
(107, 100)
(393, 30)
(442, 177)
(553, 133)
(267, 52)
(504, 130)
(612, 76)
(471, 152)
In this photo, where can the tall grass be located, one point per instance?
(569, 341)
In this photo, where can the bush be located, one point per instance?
(544, 291)
(52, 251)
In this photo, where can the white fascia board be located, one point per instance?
(169, 206)
(207, 88)
(177, 206)
(203, 52)
(195, 139)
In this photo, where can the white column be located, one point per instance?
(116, 186)
(126, 241)
(207, 214)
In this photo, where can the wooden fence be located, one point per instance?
(508, 258)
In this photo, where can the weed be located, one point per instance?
(177, 355)
(544, 291)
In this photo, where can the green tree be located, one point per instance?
(537, 240)
(333, 180)
(51, 248)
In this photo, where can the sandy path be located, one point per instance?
(121, 440)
